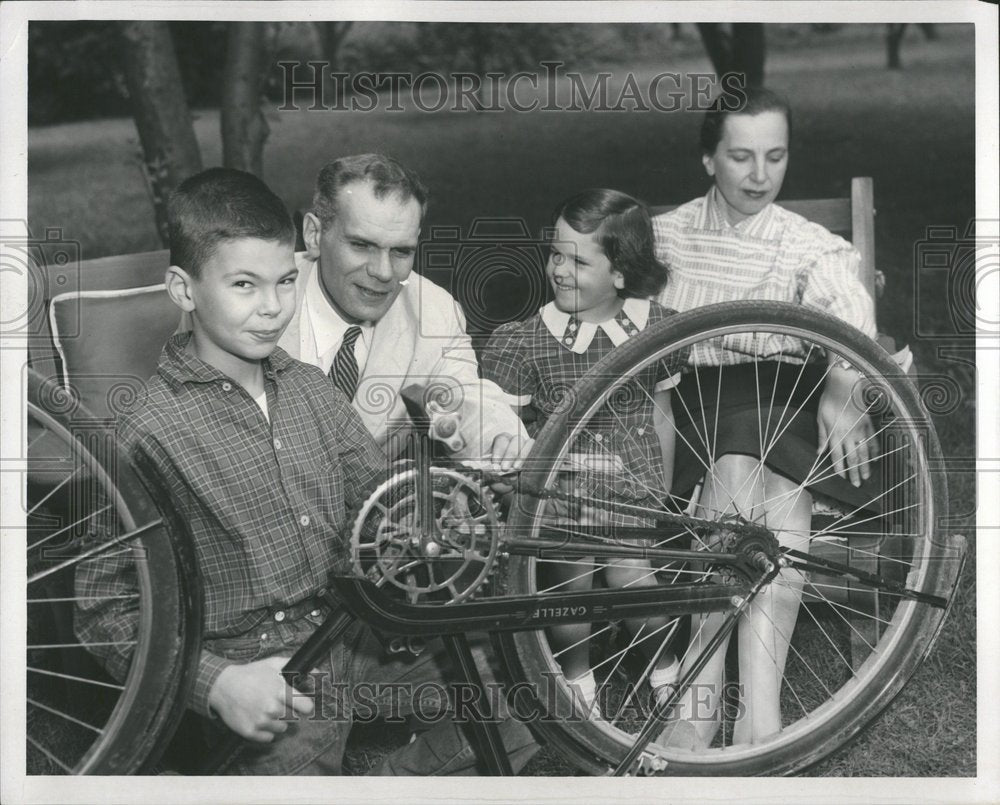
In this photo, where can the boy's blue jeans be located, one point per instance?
(359, 681)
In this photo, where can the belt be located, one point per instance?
(308, 606)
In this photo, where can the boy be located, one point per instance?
(263, 457)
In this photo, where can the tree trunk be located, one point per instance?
(244, 128)
(170, 150)
(718, 44)
(748, 52)
(740, 50)
(333, 34)
(893, 39)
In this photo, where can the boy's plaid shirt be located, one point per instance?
(266, 503)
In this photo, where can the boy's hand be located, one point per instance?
(252, 698)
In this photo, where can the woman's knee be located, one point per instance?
(735, 468)
(630, 572)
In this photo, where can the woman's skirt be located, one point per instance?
(766, 409)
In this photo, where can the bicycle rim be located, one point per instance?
(852, 647)
(87, 510)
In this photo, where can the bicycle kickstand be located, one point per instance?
(480, 727)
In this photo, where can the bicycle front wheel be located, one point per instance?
(852, 639)
(91, 525)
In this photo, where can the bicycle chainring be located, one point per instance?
(449, 559)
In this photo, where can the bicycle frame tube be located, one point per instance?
(526, 612)
(569, 548)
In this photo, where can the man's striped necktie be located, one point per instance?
(344, 369)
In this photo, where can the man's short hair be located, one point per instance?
(218, 205)
(385, 175)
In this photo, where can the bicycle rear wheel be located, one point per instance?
(855, 642)
(88, 517)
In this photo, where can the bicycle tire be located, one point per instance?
(76, 475)
(932, 566)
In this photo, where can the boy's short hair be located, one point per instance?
(385, 174)
(222, 204)
(623, 229)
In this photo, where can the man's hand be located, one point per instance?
(573, 513)
(252, 698)
(845, 428)
(505, 456)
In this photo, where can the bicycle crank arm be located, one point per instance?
(805, 561)
(306, 657)
(526, 612)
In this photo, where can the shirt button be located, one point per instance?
(572, 328)
(304, 520)
(263, 636)
(227, 386)
(568, 340)
(640, 431)
(598, 437)
(315, 613)
(279, 616)
(277, 444)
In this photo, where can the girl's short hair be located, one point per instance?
(745, 101)
(625, 233)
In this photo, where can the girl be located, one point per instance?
(602, 270)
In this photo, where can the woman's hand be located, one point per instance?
(845, 428)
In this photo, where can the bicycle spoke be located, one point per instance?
(52, 491)
(63, 715)
(72, 678)
(66, 768)
(89, 644)
(97, 551)
(77, 598)
(38, 543)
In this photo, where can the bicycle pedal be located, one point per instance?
(650, 766)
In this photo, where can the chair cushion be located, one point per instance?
(109, 342)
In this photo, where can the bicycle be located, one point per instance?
(85, 503)
(877, 580)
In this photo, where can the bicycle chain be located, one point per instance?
(733, 523)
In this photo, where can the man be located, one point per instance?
(373, 325)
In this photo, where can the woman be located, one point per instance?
(735, 243)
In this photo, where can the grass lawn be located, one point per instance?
(912, 130)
